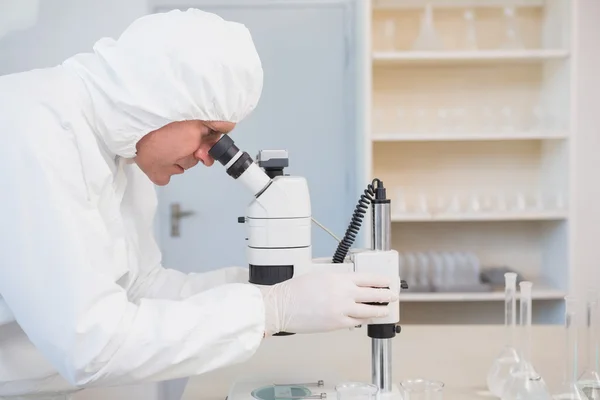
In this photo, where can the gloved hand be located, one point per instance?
(320, 302)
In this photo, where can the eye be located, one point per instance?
(213, 135)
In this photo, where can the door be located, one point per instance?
(307, 107)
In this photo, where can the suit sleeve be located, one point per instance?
(153, 279)
(79, 318)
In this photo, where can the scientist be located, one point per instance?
(85, 300)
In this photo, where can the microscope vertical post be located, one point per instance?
(381, 348)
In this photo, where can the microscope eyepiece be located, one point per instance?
(237, 162)
(224, 150)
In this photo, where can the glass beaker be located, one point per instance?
(356, 391)
(524, 381)
(422, 389)
(509, 357)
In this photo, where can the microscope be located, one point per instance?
(278, 225)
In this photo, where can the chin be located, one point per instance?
(161, 180)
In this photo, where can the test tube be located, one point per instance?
(508, 358)
(525, 289)
(589, 381)
(356, 391)
(510, 307)
(524, 381)
(568, 388)
(422, 389)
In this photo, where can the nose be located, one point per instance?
(202, 155)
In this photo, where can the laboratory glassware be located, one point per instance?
(422, 389)
(423, 271)
(428, 38)
(489, 121)
(508, 119)
(470, 40)
(462, 272)
(412, 274)
(458, 116)
(589, 380)
(449, 269)
(568, 389)
(389, 35)
(437, 270)
(356, 391)
(512, 40)
(538, 124)
(508, 357)
(400, 120)
(443, 120)
(399, 204)
(524, 382)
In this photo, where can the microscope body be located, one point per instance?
(279, 243)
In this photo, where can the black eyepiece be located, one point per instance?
(224, 150)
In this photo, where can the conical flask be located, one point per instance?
(524, 383)
(508, 357)
(428, 39)
(589, 380)
(568, 389)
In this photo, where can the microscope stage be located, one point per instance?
(288, 390)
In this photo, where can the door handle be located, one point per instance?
(176, 215)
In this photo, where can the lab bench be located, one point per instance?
(459, 356)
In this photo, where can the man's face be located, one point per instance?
(178, 146)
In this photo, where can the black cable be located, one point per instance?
(359, 213)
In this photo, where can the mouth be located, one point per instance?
(181, 170)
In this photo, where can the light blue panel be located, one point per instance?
(307, 107)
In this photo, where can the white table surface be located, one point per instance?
(459, 356)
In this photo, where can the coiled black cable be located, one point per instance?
(359, 213)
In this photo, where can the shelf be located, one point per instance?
(540, 293)
(493, 57)
(431, 137)
(418, 4)
(492, 216)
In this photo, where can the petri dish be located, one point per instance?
(422, 389)
(287, 392)
(356, 391)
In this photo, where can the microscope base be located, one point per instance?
(286, 389)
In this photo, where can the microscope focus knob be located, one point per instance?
(403, 284)
(241, 220)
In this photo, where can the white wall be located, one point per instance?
(64, 28)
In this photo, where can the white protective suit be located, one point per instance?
(84, 298)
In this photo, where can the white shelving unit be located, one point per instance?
(473, 143)
(492, 57)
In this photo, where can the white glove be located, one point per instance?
(321, 302)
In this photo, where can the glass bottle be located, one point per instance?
(508, 357)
